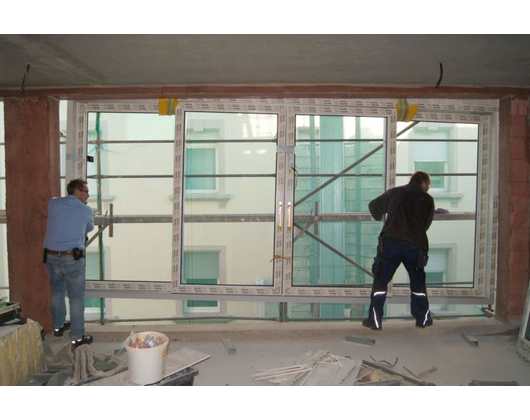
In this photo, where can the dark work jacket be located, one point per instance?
(409, 210)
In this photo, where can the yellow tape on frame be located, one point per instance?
(405, 111)
(167, 106)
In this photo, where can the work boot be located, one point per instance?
(424, 323)
(368, 323)
(58, 332)
(86, 339)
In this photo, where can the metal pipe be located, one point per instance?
(336, 251)
(335, 177)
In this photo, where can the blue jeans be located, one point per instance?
(390, 254)
(67, 276)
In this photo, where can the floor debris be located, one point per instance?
(472, 341)
(427, 372)
(360, 339)
(230, 348)
(493, 383)
(322, 368)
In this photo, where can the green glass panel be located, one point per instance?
(432, 168)
(200, 161)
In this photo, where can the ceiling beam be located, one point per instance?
(267, 91)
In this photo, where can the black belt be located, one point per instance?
(59, 253)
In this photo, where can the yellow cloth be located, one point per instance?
(20, 352)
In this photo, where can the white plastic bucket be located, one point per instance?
(146, 366)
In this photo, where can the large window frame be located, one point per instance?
(76, 167)
(483, 113)
(486, 208)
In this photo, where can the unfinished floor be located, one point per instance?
(268, 345)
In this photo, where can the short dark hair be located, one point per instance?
(419, 177)
(75, 184)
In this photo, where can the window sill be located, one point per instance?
(206, 196)
(105, 198)
(446, 195)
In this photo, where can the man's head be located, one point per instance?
(79, 188)
(422, 179)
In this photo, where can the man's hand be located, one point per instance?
(441, 211)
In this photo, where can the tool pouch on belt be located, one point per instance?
(78, 253)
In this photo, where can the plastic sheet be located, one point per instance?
(20, 352)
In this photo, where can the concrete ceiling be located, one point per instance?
(133, 60)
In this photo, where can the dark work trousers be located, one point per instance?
(390, 254)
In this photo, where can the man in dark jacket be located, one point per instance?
(409, 210)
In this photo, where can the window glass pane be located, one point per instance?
(230, 158)
(230, 126)
(438, 130)
(201, 268)
(333, 157)
(316, 264)
(138, 252)
(201, 161)
(451, 256)
(459, 194)
(132, 159)
(131, 126)
(2, 162)
(233, 196)
(328, 127)
(247, 259)
(302, 311)
(2, 194)
(450, 157)
(173, 312)
(63, 111)
(248, 248)
(313, 262)
(134, 196)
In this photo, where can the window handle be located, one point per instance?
(280, 216)
(289, 217)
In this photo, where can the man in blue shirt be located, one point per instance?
(69, 221)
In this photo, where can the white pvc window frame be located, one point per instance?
(485, 113)
(178, 222)
(76, 167)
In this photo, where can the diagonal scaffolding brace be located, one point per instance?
(353, 165)
(336, 251)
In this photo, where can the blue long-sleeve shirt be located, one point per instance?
(69, 220)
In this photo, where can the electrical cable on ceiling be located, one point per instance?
(441, 75)
(24, 80)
